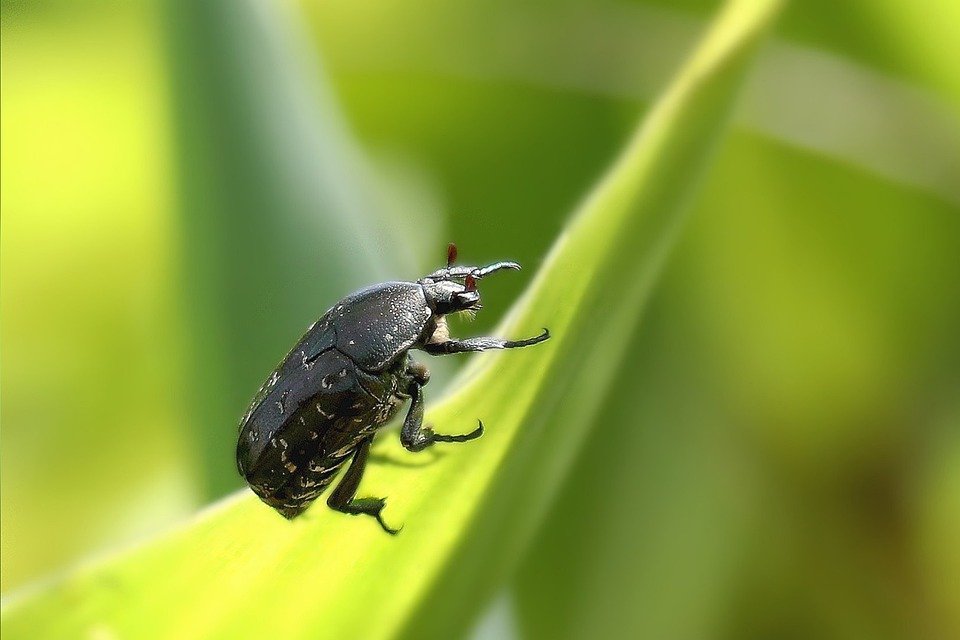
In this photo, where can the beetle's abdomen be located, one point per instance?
(317, 433)
(298, 408)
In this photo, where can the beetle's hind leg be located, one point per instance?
(343, 498)
(416, 437)
(481, 344)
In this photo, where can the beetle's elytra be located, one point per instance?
(348, 376)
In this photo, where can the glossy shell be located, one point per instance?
(345, 378)
(377, 324)
(318, 431)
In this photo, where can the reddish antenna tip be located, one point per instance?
(451, 254)
(470, 283)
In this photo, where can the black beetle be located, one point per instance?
(347, 377)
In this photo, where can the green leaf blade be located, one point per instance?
(239, 570)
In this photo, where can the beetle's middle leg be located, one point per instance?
(418, 371)
(343, 498)
(416, 437)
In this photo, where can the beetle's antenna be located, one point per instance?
(451, 272)
(492, 268)
(451, 254)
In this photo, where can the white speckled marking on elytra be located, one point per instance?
(343, 451)
(290, 467)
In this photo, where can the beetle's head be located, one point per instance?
(454, 288)
(448, 296)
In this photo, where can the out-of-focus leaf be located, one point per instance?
(241, 570)
(89, 434)
(836, 290)
(279, 216)
(647, 532)
(940, 520)
(910, 40)
(757, 470)
(837, 106)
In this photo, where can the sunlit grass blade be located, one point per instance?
(241, 571)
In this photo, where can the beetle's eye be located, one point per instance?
(470, 284)
(451, 254)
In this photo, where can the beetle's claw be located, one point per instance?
(476, 433)
(384, 525)
(388, 529)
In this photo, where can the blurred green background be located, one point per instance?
(186, 186)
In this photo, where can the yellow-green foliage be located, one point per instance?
(238, 570)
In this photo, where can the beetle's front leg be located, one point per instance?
(343, 497)
(481, 344)
(416, 437)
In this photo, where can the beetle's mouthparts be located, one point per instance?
(470, 312)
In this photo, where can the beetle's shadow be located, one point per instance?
(385, 459)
